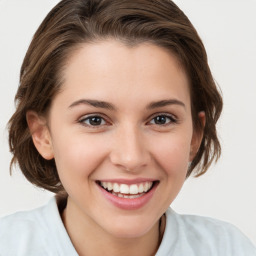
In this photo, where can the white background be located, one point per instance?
(228, 29)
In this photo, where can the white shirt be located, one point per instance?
(41, 232)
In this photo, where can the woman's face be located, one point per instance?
(121, 134)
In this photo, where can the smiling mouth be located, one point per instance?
(127, 191)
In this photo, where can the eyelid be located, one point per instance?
(100, 115)
(81, 119)
(172, 117)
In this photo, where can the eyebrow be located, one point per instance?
(109, 106)
(93, 103)
(163, 103)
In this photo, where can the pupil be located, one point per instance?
(95, 120)
(160, 120)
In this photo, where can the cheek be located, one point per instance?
(172, 154)
(77, 156)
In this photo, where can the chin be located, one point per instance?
(136, 228)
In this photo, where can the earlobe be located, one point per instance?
(40, 134)
(197, 137)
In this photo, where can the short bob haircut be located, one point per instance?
(74, 22)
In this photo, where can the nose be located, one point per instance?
(129, 150)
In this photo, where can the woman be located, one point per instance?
(116, 108)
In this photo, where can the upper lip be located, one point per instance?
(128, 181)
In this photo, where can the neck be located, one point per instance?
(90, 239)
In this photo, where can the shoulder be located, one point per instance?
(32, 232)
(196, 235)
(31, 219)
(19, 228)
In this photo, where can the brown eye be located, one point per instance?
(93, 121)
(162, 120)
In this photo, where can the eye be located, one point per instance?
(93, 121)
(162, 120)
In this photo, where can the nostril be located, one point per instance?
(128, 148)
(130, 162)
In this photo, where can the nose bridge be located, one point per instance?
(129, 150)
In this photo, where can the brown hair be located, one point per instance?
(72, 22)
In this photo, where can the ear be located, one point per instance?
(197, 137)
(40, 134)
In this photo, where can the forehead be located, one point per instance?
(109, 67)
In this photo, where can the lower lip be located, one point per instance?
(126, 203)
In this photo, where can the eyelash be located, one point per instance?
(89, 118)
(172, 120)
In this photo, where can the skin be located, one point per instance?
(128, 143)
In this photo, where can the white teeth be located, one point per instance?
(109, 186)
(125, 189)
(116, 188)
(146, 187)
(136, 196)
(141, 188)
(104, 184)
(134, 189)
(128, 196)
